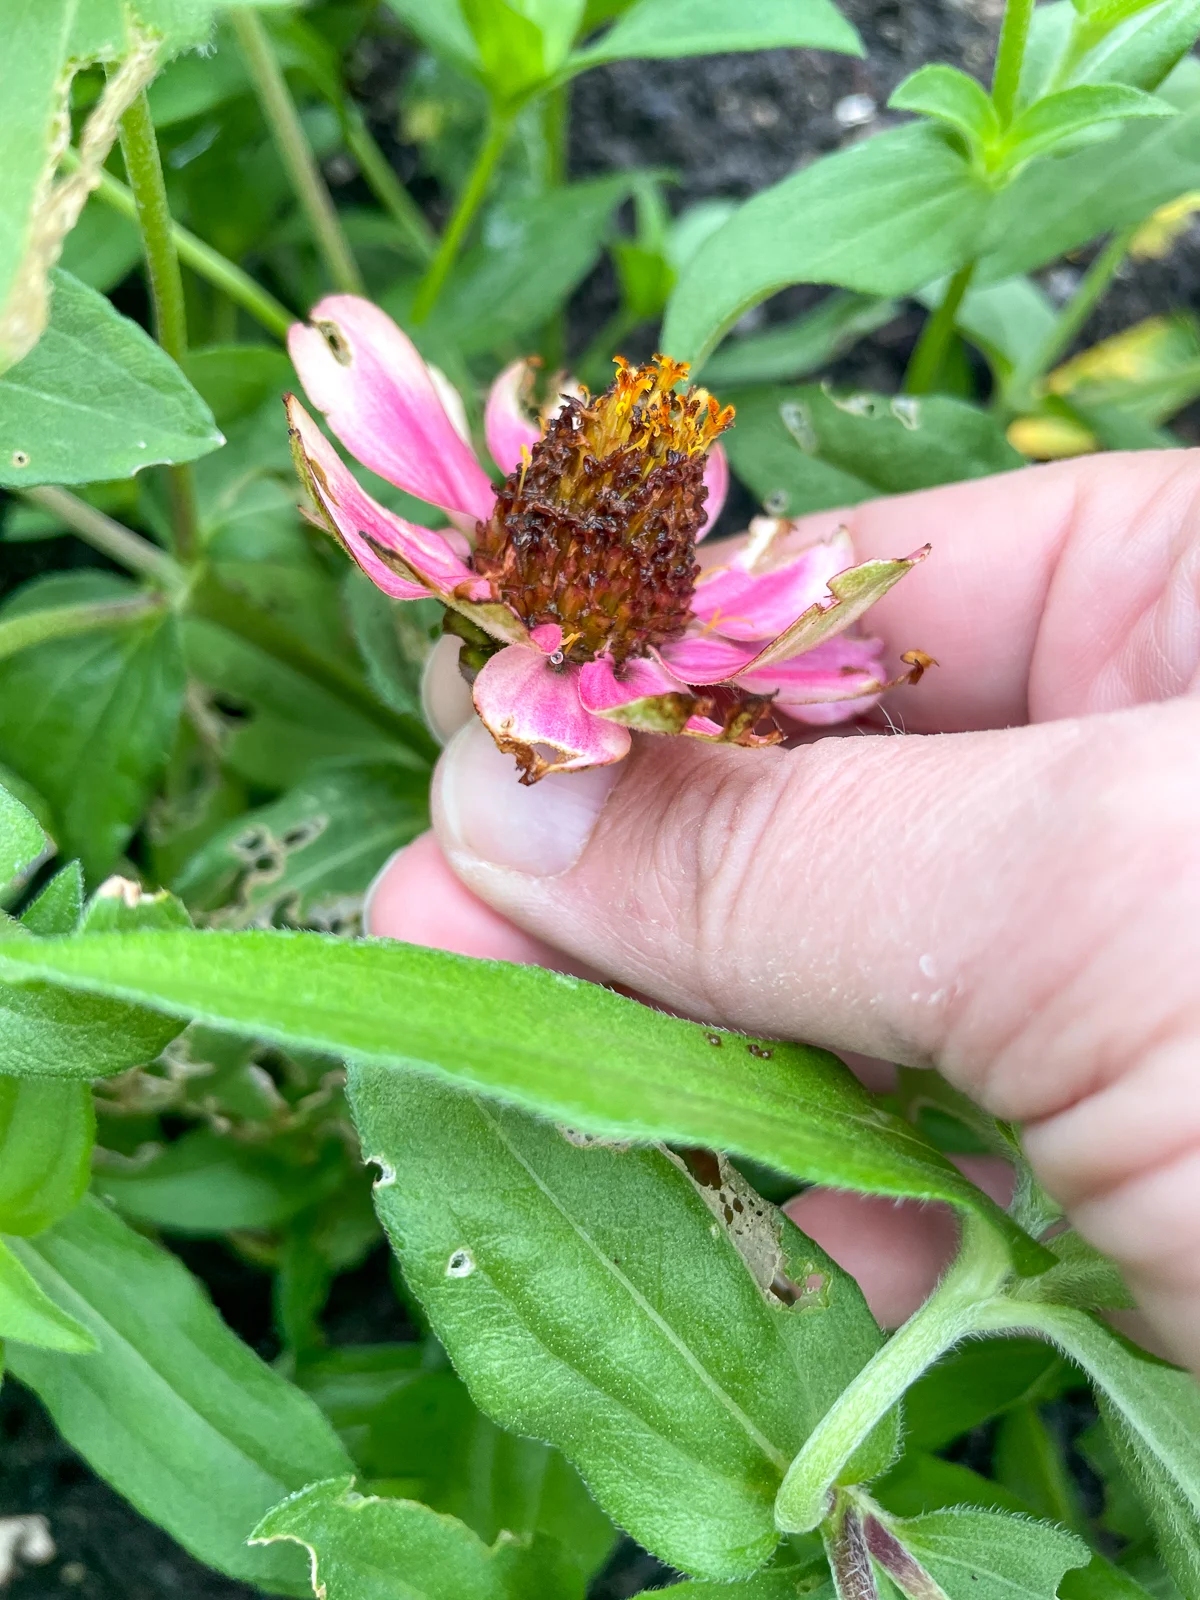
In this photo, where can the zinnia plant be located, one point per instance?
(576, 584)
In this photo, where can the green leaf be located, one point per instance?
(662, 29)
(96, 398)
(534, 252)
(59, 906)
(89, 720)
(650, 1076)
(806, 449)
(442, 28)
(235, 380)
(1153, 1412)
(1028, 1460)
(46, 1133)
(121, 906)
(311, 856)
(64, 622)
(23, 844)
(205, 1184)
(920, 1482)
(679, 1367)
(1061, 116)
(29, 1316)
(515, 55)
(103, 247)
(979, 1381)
(362, 1547)
(1143, 50)
(1053, 207)
(796, 349)
(788, 1583)
(884, 217)
(950, 96)
(990, 1556)
(177, 1413)
(1008, 321)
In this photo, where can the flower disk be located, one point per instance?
(596, 531)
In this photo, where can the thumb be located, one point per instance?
(995, 903)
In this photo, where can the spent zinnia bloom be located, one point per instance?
(575, 584)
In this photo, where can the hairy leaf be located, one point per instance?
(658, 29)
(29, 1316)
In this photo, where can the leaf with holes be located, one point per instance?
(678, 1366)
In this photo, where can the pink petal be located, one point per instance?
(716, 480)
(740, 603)
(645, 696)
(706, 658)
(425, 562)
(831, 711)
(840, 669)
(383, 404)
(548, 637)
(506, 423)
(525, 703)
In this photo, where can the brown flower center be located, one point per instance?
(597, 530)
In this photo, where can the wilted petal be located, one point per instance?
(831, 712)
(533, 711)
(645, 696)
(401, 558)
(383, 403)
(716, 481)
(506, 423)
(742, 603)
(706, 658)
(839, 669)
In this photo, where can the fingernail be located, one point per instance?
(484, 812)
(445, 695)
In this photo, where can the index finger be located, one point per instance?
(1049, 592)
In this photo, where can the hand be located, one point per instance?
(1010, 892)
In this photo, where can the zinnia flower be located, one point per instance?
(576, 583)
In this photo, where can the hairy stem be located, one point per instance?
(387, 188)
(111, 538)
(139, 147)
(469, 201)
(927, 359)
(204, 261)
(1010, 57)
(965, 1296)
(295, 151)
(1023, 385)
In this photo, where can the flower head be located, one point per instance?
(577, 581)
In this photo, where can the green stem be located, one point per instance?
(1010, 57)
(1022, 387)
(294, 149)
(555, 108)
(964, 1299)
(927, 359)
(111, 538)
(139, 147)
(499, 123)
(206, 262)
(61, 622)
(387, 188)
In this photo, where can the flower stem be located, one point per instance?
(111, 538)
(283, 119)
(1010, 57)
(927, 359)
(1021, 392)
(387, 188)
(204, 261)
(496, 137)
(139, 146)
(961, 1302)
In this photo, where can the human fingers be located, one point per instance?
(1049, 592)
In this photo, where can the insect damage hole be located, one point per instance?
(460, 1265)
(20, 458)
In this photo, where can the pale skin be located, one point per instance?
(1010, 892)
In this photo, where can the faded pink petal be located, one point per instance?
(840, 669)
(383, 404)
(531, 708)
(740, 603)
(825, 715)
(507, 425)
(426, 563)
(644, 696)
(716, 481)
(706, 658)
